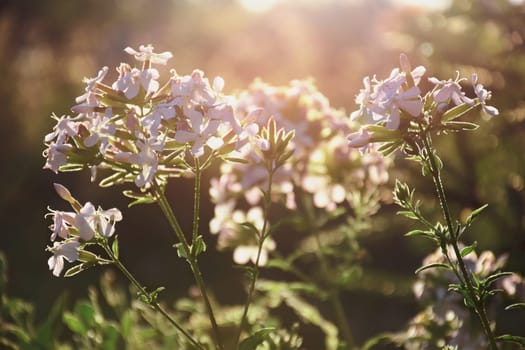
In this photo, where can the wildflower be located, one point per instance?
(359, 139)
(202, 132)
(449, 90)
(62, 250)
(146, 53)
(483, 95)
(383, 100)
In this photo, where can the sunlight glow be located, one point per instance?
(428, 4)
(258, 6)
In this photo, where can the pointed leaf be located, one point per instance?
(474, 214)
(512, 339)
(468, 249)
(456, 112)
(515, 306)
(255, 339)
(433, 265)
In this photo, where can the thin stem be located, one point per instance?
(168, 212)
(262, 237)
(147, 297)
(196, 200)
(477, 302)
(333, 293)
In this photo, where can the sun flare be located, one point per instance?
(258, 6)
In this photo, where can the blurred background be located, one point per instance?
(48, 47)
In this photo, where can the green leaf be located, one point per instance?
(460, 126)
(456, 112)
(408, 214)
(255, 339)
(512, 339)
(426, 234)
(181, 252)
(515, 306)
(494, 277)
(468, 249)
(474, 214)
(115, 248)
(433, 265)
(74, 323)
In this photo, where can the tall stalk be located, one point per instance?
(478, 305)
(147, 296)
(192, 260)
(255, 272)
(333, 293)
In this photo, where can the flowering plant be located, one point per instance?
(281, 149)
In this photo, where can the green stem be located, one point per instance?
(147, 297)
(333, 293)
(196, 201)
(479, 307)
(262, 237)
(168, 212)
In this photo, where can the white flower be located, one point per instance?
(383, 100)
(202, 132)
(146, 53)
(64, 250)
(449, 90)
(483, 95)
(245, 253)
(146, 159)
(359, 139)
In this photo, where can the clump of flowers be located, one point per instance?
(321, 165)
(140, 129)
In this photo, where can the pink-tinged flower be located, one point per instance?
(382, 100)
(90, 220)
(56, 156)
(202, 132)
(359, 139)
(131, 79)
(449, 90)
(91, 84)
(62, 250)
(146, 159)
(63, 222)
(100, 128)
(483, 95)
(146, 53)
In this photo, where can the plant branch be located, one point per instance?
(255, 272)
(479, 307)
(147, 297)
(168, 212)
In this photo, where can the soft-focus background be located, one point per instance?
(47, 47)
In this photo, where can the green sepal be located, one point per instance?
(181, 252)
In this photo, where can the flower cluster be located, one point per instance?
(445, 310)
(141, 130)
(391, 109)
(322, 165)
(75, 229)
